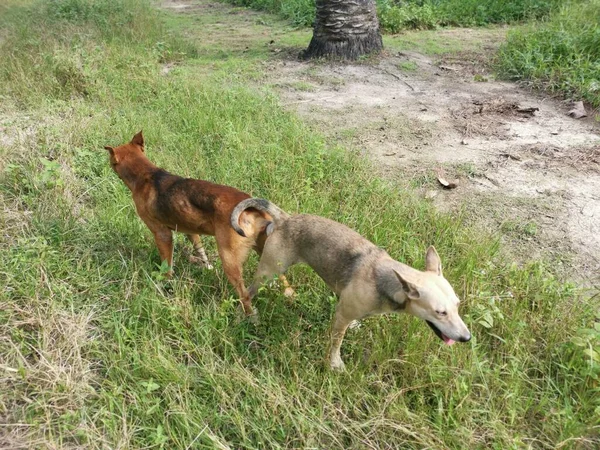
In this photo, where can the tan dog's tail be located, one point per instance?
(278, 214)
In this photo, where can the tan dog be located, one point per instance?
(168, 203)
(365, 278)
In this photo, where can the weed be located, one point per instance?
(523, 230)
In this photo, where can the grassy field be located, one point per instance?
(98, 351)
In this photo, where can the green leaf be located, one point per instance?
(150, 386)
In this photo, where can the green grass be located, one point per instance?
(447, 41)
(560, 55)
(98, 352)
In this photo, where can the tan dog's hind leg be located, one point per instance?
(164, 241)
(199, 256)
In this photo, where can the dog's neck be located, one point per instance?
(133, 171)
(388, 285)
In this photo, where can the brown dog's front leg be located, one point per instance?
(164, 242)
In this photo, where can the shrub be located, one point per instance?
(561, 55)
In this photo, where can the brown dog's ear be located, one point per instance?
(409, 288)
(114, 158)
(138, 139)
(433, 263)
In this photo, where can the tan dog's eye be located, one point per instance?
(441, 313)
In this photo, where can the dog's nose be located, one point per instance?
(466, 338)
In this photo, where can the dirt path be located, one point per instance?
(535, 177)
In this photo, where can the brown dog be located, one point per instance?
(168, 203)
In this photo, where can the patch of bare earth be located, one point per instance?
(525, 168)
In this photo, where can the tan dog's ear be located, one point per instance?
(433, 263)
(138, 139)
(409, 288)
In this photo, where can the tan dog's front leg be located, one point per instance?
(338, 330)
(288, 291)
(164, 241)
(199, 256)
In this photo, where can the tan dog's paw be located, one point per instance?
(289, 293)
(355, 324)
(336, 363)
(200, 262)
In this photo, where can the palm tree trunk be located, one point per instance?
(345, 29)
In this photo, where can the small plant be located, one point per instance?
(408, 66)
(49, 175)
(487, 311)
(587, 357)
(162, 270)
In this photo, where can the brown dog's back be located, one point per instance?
(188, 205)
(167, 203)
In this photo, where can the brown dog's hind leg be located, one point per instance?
(199, 255)
(164, 241)
(233, 254)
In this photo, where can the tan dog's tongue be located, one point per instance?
(447, 340)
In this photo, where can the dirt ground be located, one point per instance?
(535, 176)
(531, 174)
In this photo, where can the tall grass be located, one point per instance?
(561, 54)
(99, 352)
(397, 15)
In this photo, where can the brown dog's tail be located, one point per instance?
(278, 214)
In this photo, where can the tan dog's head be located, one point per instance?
(431, 298)
(119, 156)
